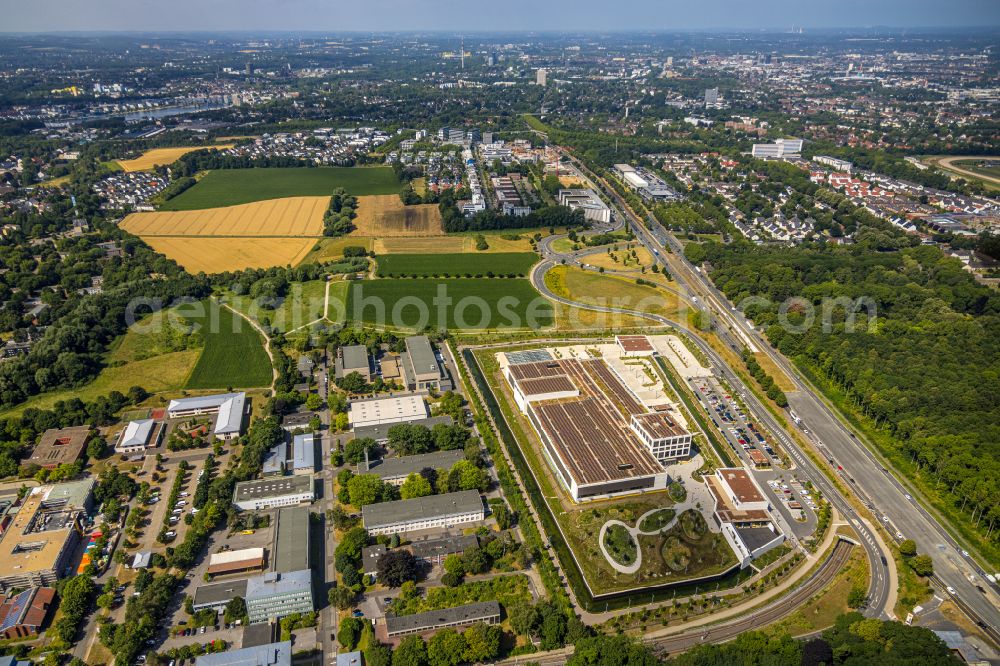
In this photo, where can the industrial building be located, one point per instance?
(663, 436)
(38, 544)
(230, 410)
(395, 409)
(743, 513)
(380, 431)
(215, 596)
(353, 358)
(585, 439)
(420, 365)
(395, 470)
(231, 562)
(646, 184)
(274, 492)
(291, 540)
(59, 446)
(422, 513)
(273, 654)
(487, 612)
(273, 595)
(304, 453)
(139, 436)
(594, 209)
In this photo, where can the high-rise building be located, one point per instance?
(711, 96)
(541, 77)
(249, 69)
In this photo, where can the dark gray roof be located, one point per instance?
(380, 431)
(355, 358)
(469, 613)
(394, 468)
(422, 358)
(273, 487)
(291, 539)
(432, 506)
(448, 545)
(370, 555)
(528, 356)
(755, 537)
(219, 593)
(261, 633)
(273, 654)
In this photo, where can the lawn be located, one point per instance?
(234, 353)
(303, 304)
(610, 291)
(229, 187)
(151, 354)
(330, 249)
(482, 303)
(464, 264)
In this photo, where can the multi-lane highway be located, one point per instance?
(890, 502)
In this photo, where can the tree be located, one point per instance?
(502, 515)
(313, 402)
(96, 447)
(106, 600)
(857, 596)
(482, 642)
(411, 651)
(396, 567)
(415, 486)
(908, 548)
(922, 565)
(365, 489)
(354, 450)
(453, 565)
(446, 648)
(603, 650)
(475, 561)
(349, 633)
(236, 609)
(340, 596)
(448, 437)
(377, 654)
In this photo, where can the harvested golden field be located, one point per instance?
(450, 244)
(151, 158)
(571, 181)
(291, 216)
(216, 255)
(385, 215)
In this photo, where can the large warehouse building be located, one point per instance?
(576, 407)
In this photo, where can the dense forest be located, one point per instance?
(922, 361)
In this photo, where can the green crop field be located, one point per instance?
(468, 264)
(234, 352)
(457, 303)
(229, 187)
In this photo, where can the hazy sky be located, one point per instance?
(331, 15)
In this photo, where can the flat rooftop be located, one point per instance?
(291, 539)
(742, 485)
(422, 358)
(59, 446)
(236, 560)
(543, 385)
(725, 509)
(274, 582)
(432, 506)
(219, 593)
(659, 425)
(447, 545)
(590, 435)
(527, 356)
(273, 654)
(380, 431)
(273, 487)
(355, 358)
(418, 622)
(396, 409)
(390, 468)
(41, 528)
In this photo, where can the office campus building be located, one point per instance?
(586, 200)
(59, 446)
(420, 366)
(780, 149)
(271, 654)
(487, 612)
(463, 507)
(273, 492)
(395, 470)
(139, 436)
(230, 410)
(274, 595)
(392, 410)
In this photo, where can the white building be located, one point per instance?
(587, 200)
(423, 513)
(230, 409)
(541, 77)
(397, 409)
(782, 148)
(665, 438)
(274, 492)
(138, 436)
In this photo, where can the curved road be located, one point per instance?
(884, 494)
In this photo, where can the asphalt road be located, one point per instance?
(879, 588)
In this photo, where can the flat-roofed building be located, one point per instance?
(665, 438)
(300, 419)
(274, 654)
(420, 365)
(380, 431)
(391, 369)
(274, 492)
(273, 595)
(304, 453)
(230, 562)
(594, 209)
(59, 446)
(370, 556)
(230, 410)
(422, 513)
(487, 612)
(395, 470)
(353, 358)
(23, 614)
(433, 551)
(585, 439)
(395, 409)
(291, 540)
(275, 460)
(139, 436)
(215, 596)
(38, 545)
(741, 489)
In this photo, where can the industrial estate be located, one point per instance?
(428, 350)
